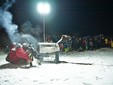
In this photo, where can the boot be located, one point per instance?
(31, 64)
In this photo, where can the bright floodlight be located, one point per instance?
(43, 8)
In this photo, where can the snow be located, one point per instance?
(76, 68)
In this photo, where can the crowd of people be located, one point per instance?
(77, 43)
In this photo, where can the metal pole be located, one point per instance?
(44, 35)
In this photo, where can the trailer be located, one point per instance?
(46, 49)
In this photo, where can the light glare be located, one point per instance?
(43, 8)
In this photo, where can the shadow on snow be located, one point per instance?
(14, 66)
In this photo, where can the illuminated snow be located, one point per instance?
(76, 68)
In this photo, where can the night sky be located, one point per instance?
(89, 17)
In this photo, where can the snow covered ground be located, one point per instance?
(76, 68)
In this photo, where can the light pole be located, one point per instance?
(43, 8)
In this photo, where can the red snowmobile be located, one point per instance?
(19, 55)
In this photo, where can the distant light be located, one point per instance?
(43, 8)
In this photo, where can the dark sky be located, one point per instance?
(68, 16)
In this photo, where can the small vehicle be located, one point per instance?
(46, 49)
(22, 54)
(17, 55)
